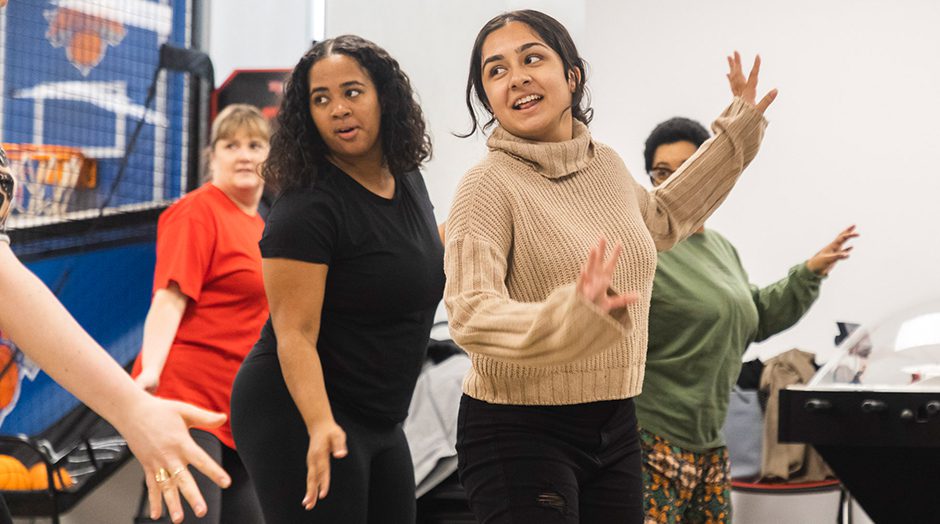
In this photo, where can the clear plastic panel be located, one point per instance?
(901, 352)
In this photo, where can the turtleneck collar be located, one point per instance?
(549, 159)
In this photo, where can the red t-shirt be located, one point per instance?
(209, 247)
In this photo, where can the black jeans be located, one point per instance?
(577, 464)
(373, 484)
(237, 504)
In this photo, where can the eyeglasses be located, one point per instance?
(660, 174)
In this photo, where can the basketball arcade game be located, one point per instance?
(101, 140)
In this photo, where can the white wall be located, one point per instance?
(247, 34)
(850, 141)
(432, 41)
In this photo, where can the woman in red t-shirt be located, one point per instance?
(208, 298)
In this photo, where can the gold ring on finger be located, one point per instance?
(162, 476)
(177, 471)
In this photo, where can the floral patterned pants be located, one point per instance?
(681, 486)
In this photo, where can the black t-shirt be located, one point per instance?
(385, 280)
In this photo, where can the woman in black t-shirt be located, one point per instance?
(353, 270)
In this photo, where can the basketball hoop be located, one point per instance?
(47, 176)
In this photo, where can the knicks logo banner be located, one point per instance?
(84, 36)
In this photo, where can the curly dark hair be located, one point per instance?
(556, 37)
(677, 129)
(297, 149)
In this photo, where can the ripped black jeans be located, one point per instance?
(577, 464)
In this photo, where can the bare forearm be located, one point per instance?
(295, 294)
(303, 374)
(47, 333)
(160, 328)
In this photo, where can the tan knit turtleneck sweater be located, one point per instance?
(519, 231)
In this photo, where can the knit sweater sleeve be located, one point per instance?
(483, 318)
(677, 208)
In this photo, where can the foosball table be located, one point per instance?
(873, 413)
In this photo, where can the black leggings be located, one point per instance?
(236, 504)
(577, 464)
(373, 484)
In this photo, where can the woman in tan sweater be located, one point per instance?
(555, 323)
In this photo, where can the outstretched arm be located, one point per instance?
(783, 303)
(156, 430)
(680, 206)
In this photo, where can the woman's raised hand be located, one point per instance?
(596, 274)
(746, 88)
(822, 263)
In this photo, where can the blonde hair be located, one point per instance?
(228, 123)
(237, 117)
